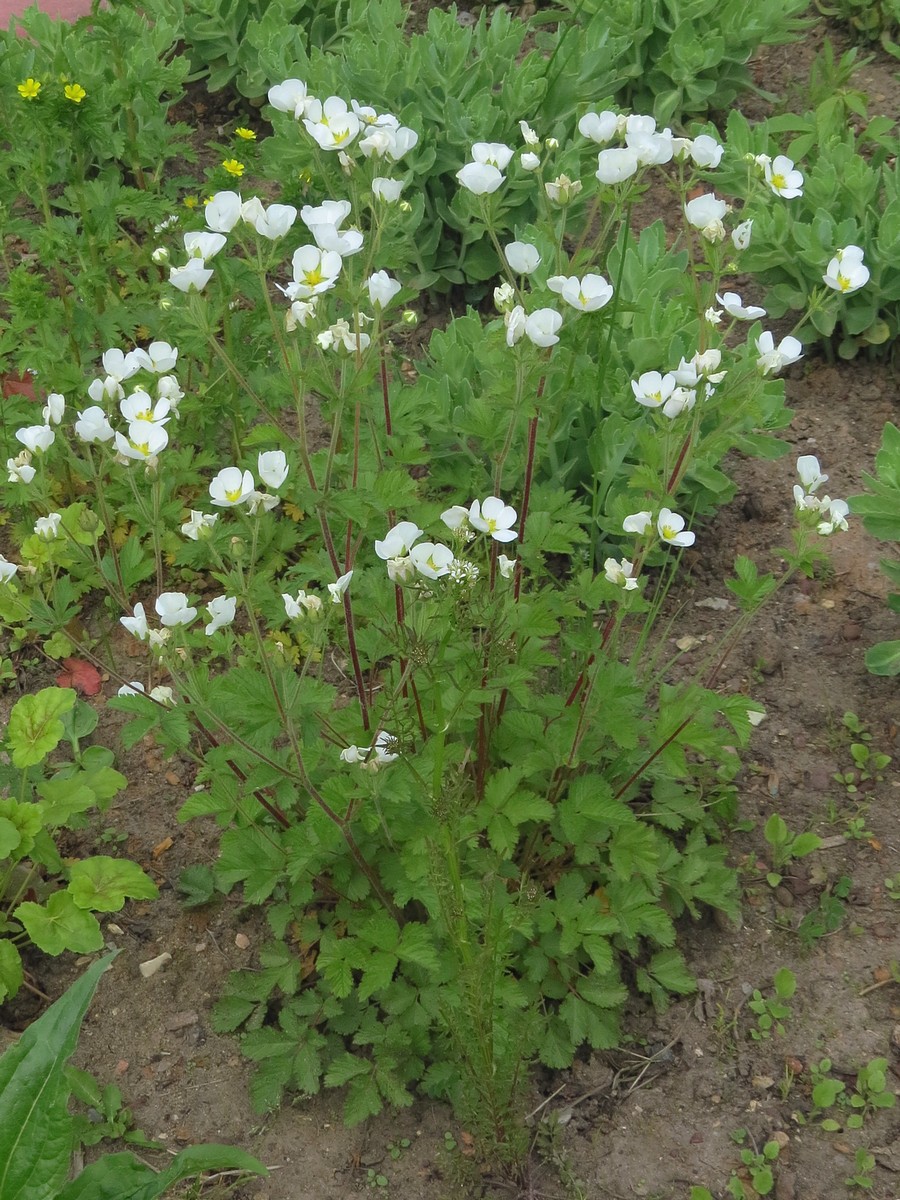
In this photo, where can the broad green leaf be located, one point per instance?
(35, 1127)
(63, 798)
(123, 1177)
(10, 838)
(35, 727)
(884, 658)
(60, 925)
(102, 884)
(11, 974)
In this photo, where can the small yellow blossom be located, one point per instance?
(190, 202)
(233, 167)
(29, 89)
(247, 134)
(74, 92)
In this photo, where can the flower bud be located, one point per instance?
(410, 317)
(160, 256)
(165, 303)
(552, 143)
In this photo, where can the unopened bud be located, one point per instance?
(552, 143)
(405, 206)
(410, 317)
(88, 521)
(160, 256)
(165, 304)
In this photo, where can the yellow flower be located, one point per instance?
(74, 92)
(190, 202)
(247, 134)
(233, 167)
(29, 89)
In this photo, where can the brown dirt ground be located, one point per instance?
(656, 1116)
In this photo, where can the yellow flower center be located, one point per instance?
(233, 496)
(778, 181)
(843, 282)
(668, 532)
(491, 524)
(314, 277)
(142, 448)
(341, 137)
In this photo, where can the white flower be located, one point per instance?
(221, 610)
(494, 517)
(120, 365)
(620, 574)
(382, 289)
(740, 235)
(353, 754)
(272, 466)
(562, 189)
(400, 569)
(652, 149)
(615, 166)
(223, 212)
(431, 559)
(137, 624)
(261, 502)
(682, 400)
(638, 522)
(587, 294)
(706, 151)
(456, 518)
(399, 540)
(529, 137)
(736, 308)
(301, 605)
(330, 123)
(387, 142)
(203, 245)
(230, 487)
(495, 154)
(135, 688)
(173, 609)
(193, 277)
(314, 271)
(599, 127)
(713, 316)
(48, 527)
(670, 525)
(7, 569)
(506, 566)
(343, 242)
(140, 406)
(93, 426)
(836, 519)
(145, 440)
(782, 178)
(329, 212)
(160, 358)
(810, 473)
(53, 410)
(481, 179)
(36, 437)
(341, 335)
(161, 694)
(773, 359)
(653, 389)
(20, 469)
(705, 213)
(529, 161)
(337, 589)
(387, 190)
(106, 389)
(515, 320)
(290, 96)
(523, 258)
(504, 296)
(542, 326)
(846, 272)
(160, 256)
(300, 313)
(272, 222)
(198, 523)
(635, 123)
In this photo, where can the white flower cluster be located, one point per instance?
(833, 512)
(372, 758)
(675, 392)
(669, 526)
(406, 557)
(305, 604)
(233, 487)
(175, 609)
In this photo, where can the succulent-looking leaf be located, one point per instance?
(34, 725)
(102, 884)
(60, 925)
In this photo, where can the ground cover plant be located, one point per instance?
(433, 707)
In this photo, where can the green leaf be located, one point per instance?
(11, 973)
(35, 728)
(884, 658)
(197, 886)
(35, 1127)
(102, 884)
(123, 1177)
(60, 925)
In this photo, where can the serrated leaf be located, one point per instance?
(102, 884)
(60, 925)
(35, 728)
(11, 971)
(363, 1100)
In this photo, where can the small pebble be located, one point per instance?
(152, 965)
(850, 631)
(242, 941)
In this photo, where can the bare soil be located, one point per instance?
(658, 1115)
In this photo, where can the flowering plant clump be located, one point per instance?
(392, 610)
